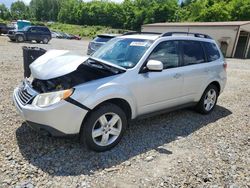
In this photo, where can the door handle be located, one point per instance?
(177, 75)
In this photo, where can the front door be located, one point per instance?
(160, 90)
(32, 33)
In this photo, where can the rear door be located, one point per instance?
(45, 32)
(40, 34)
(196, 68)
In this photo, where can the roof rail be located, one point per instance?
(138, 32)
(200, 35)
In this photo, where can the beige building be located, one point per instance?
(232, 37)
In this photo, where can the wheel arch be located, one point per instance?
(18, 34)
(217, 84)
(122, 103)
(205, 86)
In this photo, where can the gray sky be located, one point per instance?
(8, 2)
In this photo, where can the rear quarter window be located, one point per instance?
(102, 39)
(45, 29)
(211, 51)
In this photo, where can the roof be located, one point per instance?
(199, 24)
(142, 36)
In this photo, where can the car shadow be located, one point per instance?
(64, 156)
(28, 42)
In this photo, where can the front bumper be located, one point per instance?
(60, 119)
(12, 37)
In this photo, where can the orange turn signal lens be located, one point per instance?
(67, 93)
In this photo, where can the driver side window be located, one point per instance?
(167, 53)
(33, 30)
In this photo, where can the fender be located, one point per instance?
(204, 86)
(106, 92)
(20, 33)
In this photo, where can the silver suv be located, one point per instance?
(130, 76)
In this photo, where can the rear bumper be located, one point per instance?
(60, 119)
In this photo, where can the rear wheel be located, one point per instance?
(208, 100)
(38, 41)
(104, 128)
(19, 38)
(45, 40)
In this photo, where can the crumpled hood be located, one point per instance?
(55, 63)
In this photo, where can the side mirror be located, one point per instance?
(154, 65)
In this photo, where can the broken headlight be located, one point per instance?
(47, 99)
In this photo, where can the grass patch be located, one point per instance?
(83, 30)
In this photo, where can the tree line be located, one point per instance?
(130, 14)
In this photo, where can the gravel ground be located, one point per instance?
(178, 149)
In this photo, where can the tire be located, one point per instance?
(38, 41)
(98, 133)
(208, 100)
(19, 38)
(13, 40)
(45, 40)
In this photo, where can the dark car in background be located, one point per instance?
(4, 28)
(99, 41)
(30, 33)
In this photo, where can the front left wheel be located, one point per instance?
(20, 38)
(104, 127)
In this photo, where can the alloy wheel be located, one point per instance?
(107, 129)
(210, 99)
(20, 38)
(45, 40)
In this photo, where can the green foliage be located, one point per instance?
(19, 10)
(83, 30)
(44, 10)
(4, 12)
(240, 9)
(214, 10)
(130, 14)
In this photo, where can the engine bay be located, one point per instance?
(84, 73)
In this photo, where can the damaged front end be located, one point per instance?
(60, 70)
(81, 75)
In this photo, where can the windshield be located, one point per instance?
(124, 52)
(25, 28)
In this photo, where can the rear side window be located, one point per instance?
(192, 52)
(102, 39)
(45, 29)
(211, 51)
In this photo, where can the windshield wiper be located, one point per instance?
(108, 63)
(100, 65)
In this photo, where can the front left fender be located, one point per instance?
(107, 92)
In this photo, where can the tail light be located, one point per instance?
(225, 65)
